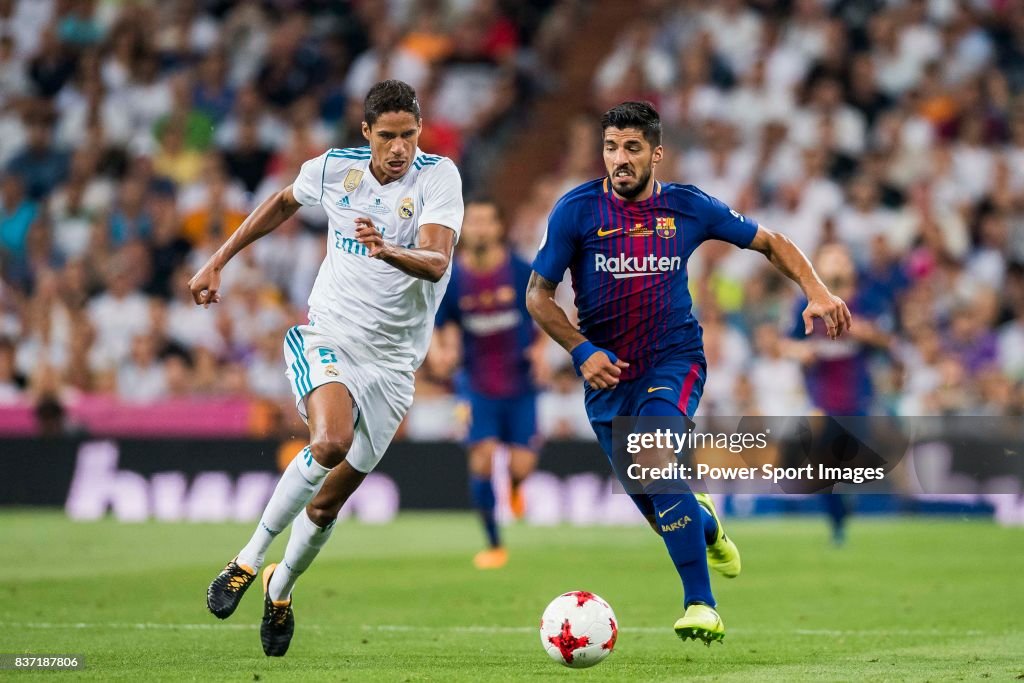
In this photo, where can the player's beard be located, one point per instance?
(632, 191)
(479, 250)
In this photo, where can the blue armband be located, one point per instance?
(584, 351)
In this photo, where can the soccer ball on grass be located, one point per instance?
(578, 629)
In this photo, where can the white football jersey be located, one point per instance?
(376, 311)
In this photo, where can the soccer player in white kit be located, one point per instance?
(394, 215)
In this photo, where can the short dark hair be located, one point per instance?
(388, 96)
(640, 115)
(488, 200)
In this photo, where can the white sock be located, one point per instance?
(301, 480)
(304, 544)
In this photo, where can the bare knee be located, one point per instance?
(322, 514)
(331, 451)
(521, 464)
(481, 456)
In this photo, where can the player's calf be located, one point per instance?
(482, 496)
(522, 463)
(679, 522)
(340, 484)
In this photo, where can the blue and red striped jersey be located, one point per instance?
(628, 264)
(497, 330)
(839, 378)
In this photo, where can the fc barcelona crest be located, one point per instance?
(666, 227)
(352, 180)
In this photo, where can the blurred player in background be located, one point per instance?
(394, 216)
(626, 238)
(837, 374)
(484, 314)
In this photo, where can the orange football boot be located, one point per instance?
(492, 558)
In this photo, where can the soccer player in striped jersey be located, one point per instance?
(394, 215)
(484, 313)
(626, 239)
(838, 376)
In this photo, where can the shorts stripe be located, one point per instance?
(295, 363)
(304, 360)
(300, 367)
(687, 392)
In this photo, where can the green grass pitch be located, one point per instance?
(906, 599)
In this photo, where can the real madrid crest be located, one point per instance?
(352, 180)
(406, 209)
(666, 227)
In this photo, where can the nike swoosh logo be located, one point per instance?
(665, 512)
(601, 232)
(651, 390)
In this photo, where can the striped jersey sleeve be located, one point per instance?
(308, 187)
(442, 194)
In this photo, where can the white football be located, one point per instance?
(578, 629)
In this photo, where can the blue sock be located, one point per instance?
(481, 492)
(682, 527)
(835, 505)
(710, 526)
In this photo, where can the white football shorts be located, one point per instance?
(382, 396)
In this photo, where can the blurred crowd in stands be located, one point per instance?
(885, 138)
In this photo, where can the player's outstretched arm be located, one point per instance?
(791, 262)
(598, 366)
(271, 213)
(427, 261)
